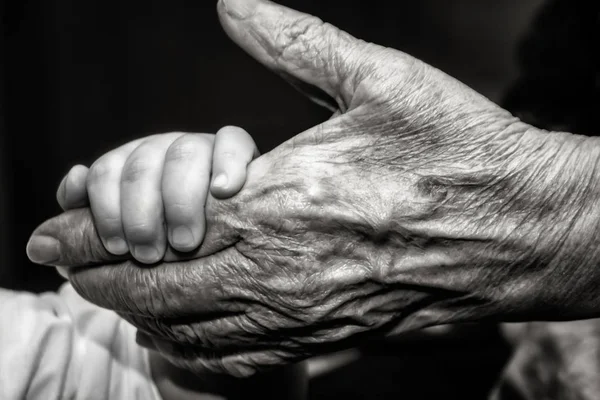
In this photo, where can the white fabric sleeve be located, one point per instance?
(59, 346)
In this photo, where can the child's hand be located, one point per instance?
(155, 188)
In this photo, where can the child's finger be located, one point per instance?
(141, 199)
(234, 149)
(72, 192)
(186, 178)
(103, 188)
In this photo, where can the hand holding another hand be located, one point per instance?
(418, 203)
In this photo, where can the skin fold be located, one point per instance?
(419, 203)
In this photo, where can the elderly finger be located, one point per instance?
(69, 240)
(72, 240)
(203, 288)
(296, 45)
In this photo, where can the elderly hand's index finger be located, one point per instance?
(208, 286)
(68, 240)
(71, 240)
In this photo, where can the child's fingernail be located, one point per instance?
(182, 237)
(43, 249)
(146, 254)
(220, 181)
(117, 246)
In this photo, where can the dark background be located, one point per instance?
(81, 77)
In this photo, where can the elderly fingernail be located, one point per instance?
(117, 246)
(43, 249)
(146, 254)
(240, 8)
(220, 181)
(182, 238)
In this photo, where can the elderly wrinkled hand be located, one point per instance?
(418, 203)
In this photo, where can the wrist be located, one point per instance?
(550, 213)
(572, 226)
(508, 234)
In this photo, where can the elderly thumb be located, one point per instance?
(69, 240)
(315, 56)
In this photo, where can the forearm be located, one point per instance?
(568, 254)
(550, 214)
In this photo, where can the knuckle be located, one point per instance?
(182, 211)
(228, 154)
(141, 231)
(230, 133)
(103, 169)
(302, 31)
(227, 129)
(181, 151)
(175, 133)
(110, 225)
(72, 179)
(77, 174)
(185, 148)
(303, 40)
(136, 168)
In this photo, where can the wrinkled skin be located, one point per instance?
(418, 203)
